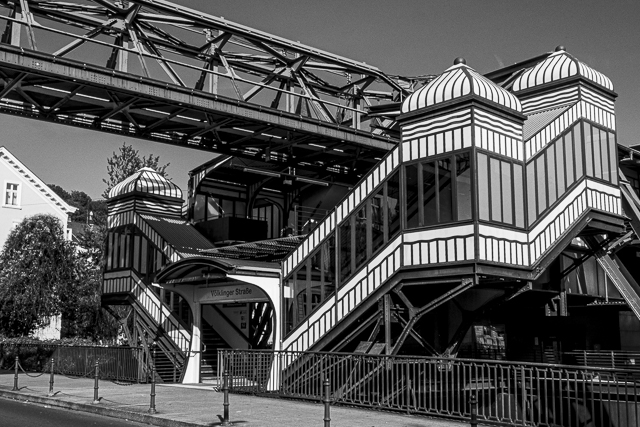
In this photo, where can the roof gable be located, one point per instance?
(12, 163)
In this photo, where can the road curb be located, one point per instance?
(99, 410)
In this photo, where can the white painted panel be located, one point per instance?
(408, 258)
(448, 140)
(424, 253)
(460, 255)
(451, 250)
(406, 151)
(442, 251)
(470, 248)
(466, 136)
(433, 252)
(457, 139)
(415, 150)
(482, 248)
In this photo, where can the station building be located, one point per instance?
(503, 225)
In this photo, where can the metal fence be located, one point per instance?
(508, 393)
(115, 363)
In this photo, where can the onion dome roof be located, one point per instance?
(455, 82)
(559, 65)
(146, 180)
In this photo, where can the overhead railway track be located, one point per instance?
(155, 70)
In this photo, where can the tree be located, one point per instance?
(38, 271)
(125, 163)
(79, 200)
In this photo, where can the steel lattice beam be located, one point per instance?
(156, 70)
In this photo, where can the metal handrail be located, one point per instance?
(513, 393)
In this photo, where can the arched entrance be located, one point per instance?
(234, 305)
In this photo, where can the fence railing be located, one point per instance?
(511, 393)
(115, 363)
(604, 358)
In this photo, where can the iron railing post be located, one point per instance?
(152, 404)
(15, 377)
(225, 404)
(51, 393)
(96, 399)
(327, 404)
(473, 402)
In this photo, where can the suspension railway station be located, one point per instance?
(339, 209)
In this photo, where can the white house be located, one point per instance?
(24, 195)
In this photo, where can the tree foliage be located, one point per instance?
(86, 208)
(126, 162)
(43, 275)
(38, 272)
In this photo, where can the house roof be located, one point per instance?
(456, 82)
(33, 180)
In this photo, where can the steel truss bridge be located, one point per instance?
(155, 70)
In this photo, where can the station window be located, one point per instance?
(500, 195)
(438, 191)
(600, 153)
(207, 207)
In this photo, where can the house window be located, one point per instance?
(12, 194)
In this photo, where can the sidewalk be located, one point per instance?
(197, 405)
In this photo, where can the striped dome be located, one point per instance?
(456, 82)
(559, 65)
(146, 180)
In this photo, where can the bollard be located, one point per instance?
(152, 404)
(327, 404)
(51, 393)
(96, 399)
(15, 377)
(225, 404)
(474, 410)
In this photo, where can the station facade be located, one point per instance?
(504, 224)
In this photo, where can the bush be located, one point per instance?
(34, 354)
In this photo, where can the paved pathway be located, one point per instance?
(198, 405)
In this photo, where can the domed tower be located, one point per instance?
(569, 147)
(146, 191)
(463, 154)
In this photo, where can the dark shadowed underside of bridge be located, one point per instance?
(154, 70)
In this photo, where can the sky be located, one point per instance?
(400, 37)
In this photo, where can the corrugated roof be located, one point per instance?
(263, 250)
(180, 234)
(537, 121)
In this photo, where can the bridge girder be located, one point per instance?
(199, 81)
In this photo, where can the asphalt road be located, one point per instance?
(21, 414)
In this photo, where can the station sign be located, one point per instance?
(229, 294)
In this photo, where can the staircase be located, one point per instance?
(155, 319)
(211, 342)
(586, 203)
(166, 370)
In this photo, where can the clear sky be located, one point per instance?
(405, 37)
